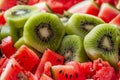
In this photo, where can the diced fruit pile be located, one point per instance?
(59, 39)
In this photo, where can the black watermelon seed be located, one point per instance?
(60, 71)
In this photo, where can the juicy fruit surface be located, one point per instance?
(59, 40)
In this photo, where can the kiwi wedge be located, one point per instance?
(18, 15)
(81, 24)
(6, 30)
(42, 31)
(72, 49)
(102, 42)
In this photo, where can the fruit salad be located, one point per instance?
(59, 39)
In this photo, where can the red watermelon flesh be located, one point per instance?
(69, 3)
(51, 56)
(106, 73)
(87, 68)
(107, 12)
(7, 47)
(2, 19)
(45, 77)
(66, 72)
(78, 70)
(116, 20)
(87, 7)
(6, 4)
(3, 63)
(11, 70)
(26, 57)
(47, 68)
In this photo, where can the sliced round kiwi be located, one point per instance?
(102, 42)
(80, 24)
(43, 30)
(18, 15)
(72, 49)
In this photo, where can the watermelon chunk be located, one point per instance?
(6, 4)
(47, 68)
(45, 77)
(66, 72)
(7, 47)
(87, 7)
(116, 20)
(43, 7)
(11, 70)
(26, 57)
(3, 63)
(51, 56)
(107, 12)
(106, 73)
(2, 19)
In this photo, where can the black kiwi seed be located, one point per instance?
(101, 45)
(72, 49)
(48, 29)
(83, 24)
(20, 12)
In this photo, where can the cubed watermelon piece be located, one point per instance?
(6, 4)
(43, 7)
(87, 7)
(56, 6)
(7, 47)
(69, 3)
(3, 63)
(26, 57)
(50, 56)
(66, 72)
(106, 73)
(45, 77)
(107, 12)
(11, 70)
(47, 68)
(2, 19)
(116, 20)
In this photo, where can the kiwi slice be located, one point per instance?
(6, 30)
(81, 24)
(102, 42)
(43, 30)
(18, 15)
(72, 49)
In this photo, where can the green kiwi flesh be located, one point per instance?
(42, 31)
(6, 30)
(18, 15)
(81, 24)
(72, 48)
(102, 42)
